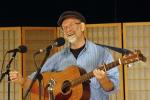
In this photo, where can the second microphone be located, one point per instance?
(57, 43)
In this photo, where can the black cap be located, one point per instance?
(70, 14)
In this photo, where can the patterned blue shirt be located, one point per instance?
(89, 58)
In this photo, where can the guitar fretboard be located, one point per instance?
(89, 75)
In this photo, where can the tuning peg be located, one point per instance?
(130, 65)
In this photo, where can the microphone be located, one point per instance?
(21, 49)
(57, 43)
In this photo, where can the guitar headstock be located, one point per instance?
(133, 57)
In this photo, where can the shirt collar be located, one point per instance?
(67, 49)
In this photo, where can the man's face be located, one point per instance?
(71, 28)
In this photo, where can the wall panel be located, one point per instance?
(108, 34)
(10, 38)
(36, 38)
(137, 36)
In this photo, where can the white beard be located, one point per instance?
(72, 39)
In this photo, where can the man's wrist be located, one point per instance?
(107, 84)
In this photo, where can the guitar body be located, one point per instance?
(74, 93)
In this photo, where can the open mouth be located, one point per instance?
(71, 35)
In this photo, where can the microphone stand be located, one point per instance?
(37, 76)
(7, 72)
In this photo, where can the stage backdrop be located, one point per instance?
(133, 81)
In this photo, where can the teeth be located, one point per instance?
(70, 34)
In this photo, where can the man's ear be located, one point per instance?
(82, 27)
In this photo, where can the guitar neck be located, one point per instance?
(125, 60)
(89, 75)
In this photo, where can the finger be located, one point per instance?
(13, 79)
(13, 72)
(13, 76)
(99, 73)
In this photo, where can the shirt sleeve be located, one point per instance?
(49, 65)
(113, 74)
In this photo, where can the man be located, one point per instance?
(82, 53)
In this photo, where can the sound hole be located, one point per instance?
(66, 87)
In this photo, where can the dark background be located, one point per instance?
(46, 13)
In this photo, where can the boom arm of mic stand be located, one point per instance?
(36, 75)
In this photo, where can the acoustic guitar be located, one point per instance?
(73, 83)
